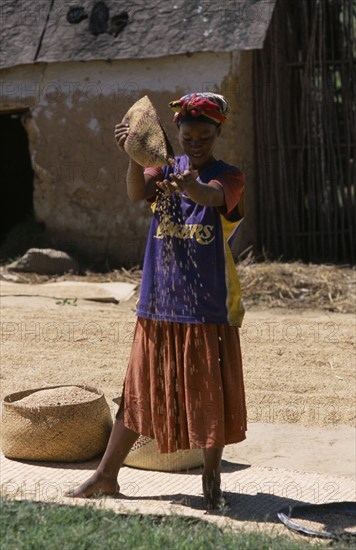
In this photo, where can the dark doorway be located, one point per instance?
(16, 173)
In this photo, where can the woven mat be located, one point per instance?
(255, 494)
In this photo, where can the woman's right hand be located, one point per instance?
(121, 133)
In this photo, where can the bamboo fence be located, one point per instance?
(304, 90)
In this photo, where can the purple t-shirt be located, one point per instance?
(189, 275)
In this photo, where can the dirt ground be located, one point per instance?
(299, 365)
(299, 361)
(299, 371)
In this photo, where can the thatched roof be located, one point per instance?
(67, 30)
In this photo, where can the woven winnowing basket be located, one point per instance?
(147, 142)
(55, 433)
(146, 456)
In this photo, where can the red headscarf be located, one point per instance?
(205, 106)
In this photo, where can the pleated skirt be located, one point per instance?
(184, 385)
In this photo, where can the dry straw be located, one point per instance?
(147, 142)
(298, 286)
(69, 423)
(293, 285)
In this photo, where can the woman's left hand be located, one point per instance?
(179, 182)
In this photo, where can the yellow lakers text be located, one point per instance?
(203, 234)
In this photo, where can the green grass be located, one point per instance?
(39, 526)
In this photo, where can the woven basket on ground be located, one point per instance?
(146, 456)
(57, 424)
(147, 142)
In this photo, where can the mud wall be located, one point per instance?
(79, 187)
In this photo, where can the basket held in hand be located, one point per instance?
(147, 142)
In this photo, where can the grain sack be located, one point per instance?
(147, 142)
(57, 424)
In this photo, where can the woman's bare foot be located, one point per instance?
(96, 485)
(213, 496)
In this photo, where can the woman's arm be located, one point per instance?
(201, 193)
(205, 195)
(139, 186)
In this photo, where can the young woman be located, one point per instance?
(184, 383)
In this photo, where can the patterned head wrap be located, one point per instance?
(204, 107)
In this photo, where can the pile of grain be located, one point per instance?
(54, 397)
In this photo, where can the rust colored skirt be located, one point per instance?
(184, 385)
